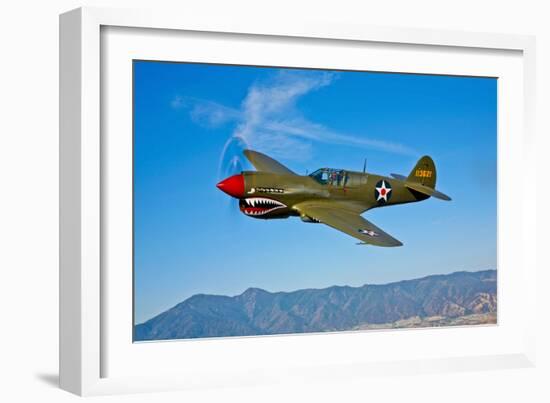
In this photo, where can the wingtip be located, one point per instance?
(388, 245)
(392, 244)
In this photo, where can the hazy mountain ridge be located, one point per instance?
(259, 312)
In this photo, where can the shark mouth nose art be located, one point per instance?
(257, 206)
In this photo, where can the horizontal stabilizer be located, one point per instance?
(400, 177)
(422, 179)
(428, 191)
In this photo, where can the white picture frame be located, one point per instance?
(85, 344)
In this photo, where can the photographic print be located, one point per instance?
(275, 200)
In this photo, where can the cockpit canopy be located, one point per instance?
(330, 176)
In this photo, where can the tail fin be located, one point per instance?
(423, 172)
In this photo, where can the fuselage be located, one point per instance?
(271, 195)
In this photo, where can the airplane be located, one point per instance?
(335, 197)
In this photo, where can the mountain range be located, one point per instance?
(457, 298)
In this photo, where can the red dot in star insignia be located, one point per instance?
(383, 192)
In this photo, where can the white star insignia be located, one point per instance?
(383, 192)
(368, 232)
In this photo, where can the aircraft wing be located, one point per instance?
(264, 163)
(337, 216)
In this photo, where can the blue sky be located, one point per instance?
(191, 122)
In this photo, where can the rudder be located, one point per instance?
(423, 172)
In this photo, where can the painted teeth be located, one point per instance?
(253, 201)
(267, 205)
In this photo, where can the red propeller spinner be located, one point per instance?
(233, 186)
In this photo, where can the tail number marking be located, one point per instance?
(423, 173)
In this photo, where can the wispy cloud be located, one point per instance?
(206, 113)
(269, 120)
(305, 129)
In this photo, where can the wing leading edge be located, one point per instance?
(349, 222)
(264, 163)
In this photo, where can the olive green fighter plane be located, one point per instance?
(334, 197)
